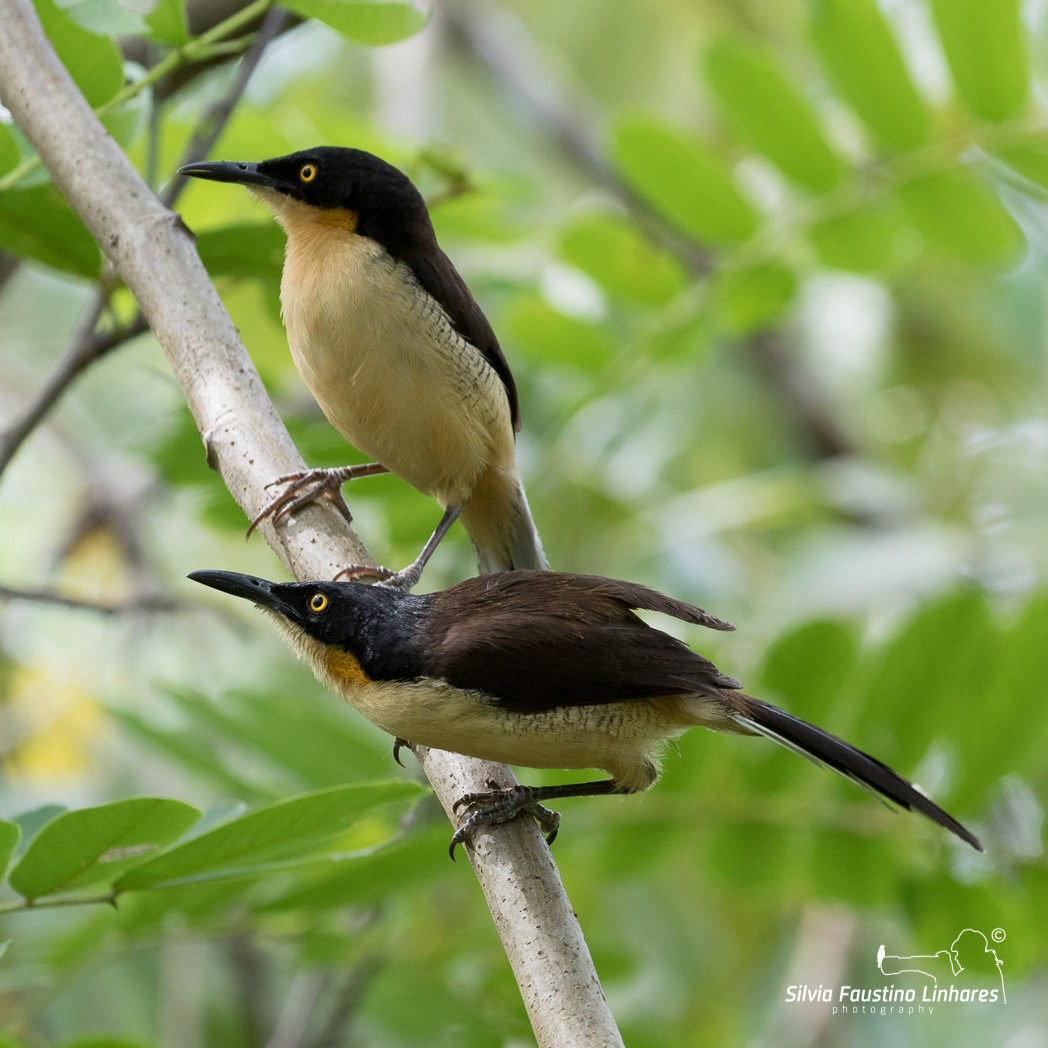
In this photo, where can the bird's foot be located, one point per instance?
(501, 805)
(307, 486)
(404, 580)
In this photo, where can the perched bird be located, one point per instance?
(393, 347)
(541, 669)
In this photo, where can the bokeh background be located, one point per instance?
(772, 281)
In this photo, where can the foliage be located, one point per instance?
(771, 279)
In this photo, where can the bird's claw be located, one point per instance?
(403, 580)
(303, 487)
(500, 805)
(398, 745)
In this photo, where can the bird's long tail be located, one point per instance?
(834, 753)
(503, 533)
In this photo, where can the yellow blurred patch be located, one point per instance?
(58, 726)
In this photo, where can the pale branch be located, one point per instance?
(248, 444)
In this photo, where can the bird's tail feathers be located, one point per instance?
(831, 752)
(510, 541)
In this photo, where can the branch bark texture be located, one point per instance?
(247, 443)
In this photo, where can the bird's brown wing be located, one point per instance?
(441, 279)
(535, 641)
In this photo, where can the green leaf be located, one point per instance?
(755, 857)
(92, 60)
(628, 266)
(995, 734)
(769, 113)
(37, 223)
(862, 240)
(193, 753)
(545, 333)
(418, 858)
(105, 17)
(10, 154)
(805, 671)
(167, 23)
(985, 44)
(318, 741)
(370, 22)
(31, 822)
(865, 67)
(944, 652)
(10, 832)
(95, 844)
(753, 298)
(679, 177)
(128, 120)
(253, 249)
(265, 834)
(1030, 159)
(956, 212)
(856, 869)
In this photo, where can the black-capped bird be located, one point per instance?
(541, 669)
(393, 347)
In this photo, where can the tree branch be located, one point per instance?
(248, 444)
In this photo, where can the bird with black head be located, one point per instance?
(394, 348)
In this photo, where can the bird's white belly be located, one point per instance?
(387, 368)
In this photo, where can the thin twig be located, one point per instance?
(88, 347)
(214, 121)
(145, 603)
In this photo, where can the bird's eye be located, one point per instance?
(318, 602)
(307, 172)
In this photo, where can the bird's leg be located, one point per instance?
(406, 578)
(501, 805)
(307, 485)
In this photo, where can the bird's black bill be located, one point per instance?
(258, 591)
(241, 172)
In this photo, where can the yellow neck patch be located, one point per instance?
(344, 667)
(339, 217)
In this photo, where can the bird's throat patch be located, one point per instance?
(339, 218)
(344, 666)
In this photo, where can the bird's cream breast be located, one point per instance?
(386, 366)
(624, 738)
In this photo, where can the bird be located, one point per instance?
(394, 348)
(541, 669)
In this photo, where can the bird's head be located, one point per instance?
(349, 632)
(332, 186)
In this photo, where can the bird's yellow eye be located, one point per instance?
(307, 172)
(318, 602)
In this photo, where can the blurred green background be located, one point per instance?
(771, 278)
